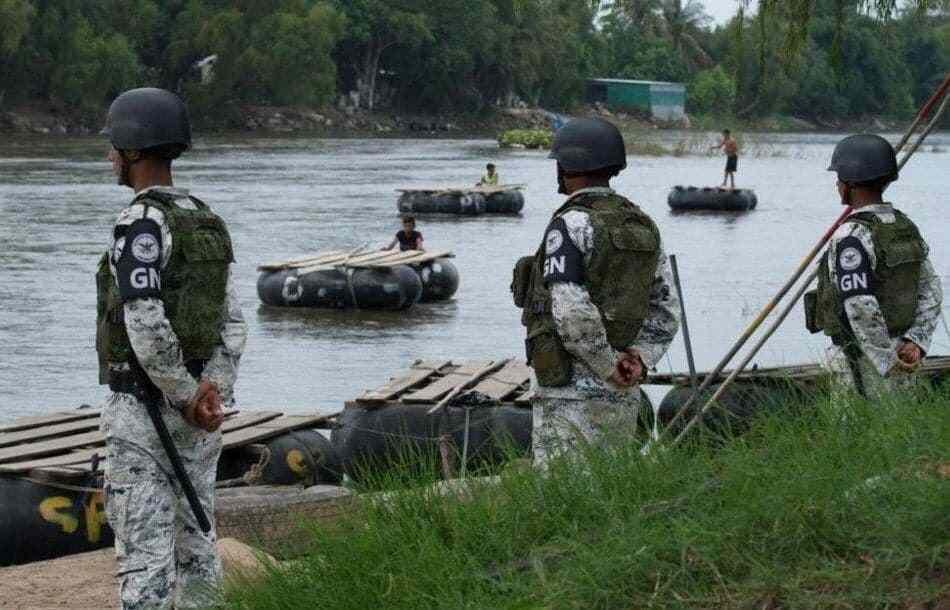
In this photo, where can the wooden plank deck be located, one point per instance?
(500, 385)
(452, 379)
(451, 190)
(25, 423)
(61, 449)
(365, 259)
(418, 372)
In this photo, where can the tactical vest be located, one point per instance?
(901, 251)
(193, 290)
(618, 276)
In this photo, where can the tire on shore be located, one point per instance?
(735, 409)
(404, 438)
(391, 288)
(298, 457)
(39, 521)
(440, 280)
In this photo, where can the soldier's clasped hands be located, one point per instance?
(204, 410)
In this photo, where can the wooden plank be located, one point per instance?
(349, 262)
(74, 457)
(464, 189)
(44, 432)
(247, 420)
(443, 386)
(504, 382)
(25, 423)
(301, 261)
(419, 372)
(271, 429)
(51, 447)
(419, 259)
(524, 399)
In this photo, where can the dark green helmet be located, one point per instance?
(864, 158)
(146, 118)
(588, 145)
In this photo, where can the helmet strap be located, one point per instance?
(561, 184)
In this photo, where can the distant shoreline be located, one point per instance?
(334, 122)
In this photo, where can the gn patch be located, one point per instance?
(853, 268)
(138, 264)
(563, 261)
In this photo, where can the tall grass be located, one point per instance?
(843, 506)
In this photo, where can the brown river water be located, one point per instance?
(284, 197)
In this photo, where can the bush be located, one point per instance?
(711, 92)
(527, 138)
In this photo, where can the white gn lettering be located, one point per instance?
(143, 277)
(854, 281)
(554, 264)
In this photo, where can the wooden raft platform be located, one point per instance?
(447, 190)
(375, 259)
(429, 381)
(68, 444)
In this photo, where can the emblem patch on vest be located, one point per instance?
(853, 267)
(145, 248)
(563, 261)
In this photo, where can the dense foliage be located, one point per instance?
(811, 58)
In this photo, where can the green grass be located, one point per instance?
(843, 507)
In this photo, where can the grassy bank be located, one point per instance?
(832, 508)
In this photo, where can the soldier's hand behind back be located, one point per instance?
(909, 356)
(205, 410)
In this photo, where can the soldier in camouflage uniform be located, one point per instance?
(596, 298)
(878, 298)
(169, 333)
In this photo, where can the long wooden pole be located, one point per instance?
(801, 291)
(686, 340)
(767, 310)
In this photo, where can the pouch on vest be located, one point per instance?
(811, 311)
(552, 364)
(521, 280)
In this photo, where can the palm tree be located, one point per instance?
(683, 20)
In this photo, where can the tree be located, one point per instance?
(376, 26)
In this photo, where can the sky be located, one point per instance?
(723, 10)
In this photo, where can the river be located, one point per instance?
(284, 197)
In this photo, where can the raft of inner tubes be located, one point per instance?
(714, 199)
(44, 520)
(40, 520)
(387, 288)
(463, 203)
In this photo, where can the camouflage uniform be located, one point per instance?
(164, 559)
(590, 405)
(877, 365)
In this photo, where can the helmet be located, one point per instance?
(587, 145)
(864, 158)
(145, 118)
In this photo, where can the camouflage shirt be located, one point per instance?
(864, 311)
(581, 328)
(151, 334)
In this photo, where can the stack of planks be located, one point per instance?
(428, 382)
(366, 260)
(68, 444)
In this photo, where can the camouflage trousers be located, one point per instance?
(164, 559)
(873, 385)
(567, 420)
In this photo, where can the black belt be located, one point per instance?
(136, 382)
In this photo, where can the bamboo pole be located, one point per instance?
(686, 340)
(801, 291)
(767, 310)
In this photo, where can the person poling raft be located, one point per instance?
(690, 198)
(469, 201)
(359, 279)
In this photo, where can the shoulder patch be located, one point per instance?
(138, 264)
(853, 268)
(563, 261)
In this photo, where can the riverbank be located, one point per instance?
(832, 508)
(47, 119)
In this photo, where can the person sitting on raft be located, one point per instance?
(408, 238)
(490, 178)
